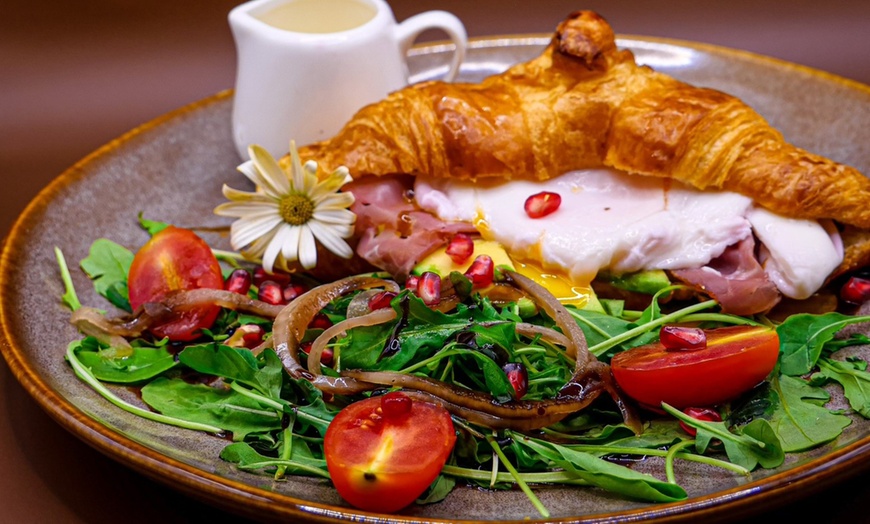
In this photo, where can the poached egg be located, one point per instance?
(620, 223)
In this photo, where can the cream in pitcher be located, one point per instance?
(306, 66)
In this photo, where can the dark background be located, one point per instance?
(76, 74)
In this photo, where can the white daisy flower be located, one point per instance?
(280, 223)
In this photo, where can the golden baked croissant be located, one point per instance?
(583, 103)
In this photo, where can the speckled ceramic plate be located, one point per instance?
(172, 169)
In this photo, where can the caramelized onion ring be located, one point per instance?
(374, 318)
(546, 334)
(92, 322)
(486, 419)
(290, 325)
(578, 348)
(529, 412)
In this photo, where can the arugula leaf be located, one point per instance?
(302, 461)
(852, 375)
(801, 423)
(107, 264)
(223, 408)
(802, 339)
(748, 446)
(604, 474)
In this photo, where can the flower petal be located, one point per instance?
(307, 247)
(247, 230)
(273, 178)
(334, 216)
(244, 196)
(329, 239)
(243, 209)
(276, 246)
(297, 173)
(290, 251)
(331, 184)
(335, 201)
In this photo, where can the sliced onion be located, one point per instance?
(546, 334)
(578, 348)
(486, 419)
(181, 300)
(517, 414)
(374, 318)
(93, 323)
(292, 322)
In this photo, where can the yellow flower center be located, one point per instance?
(296, 209)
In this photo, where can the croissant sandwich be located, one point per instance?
(435, 159)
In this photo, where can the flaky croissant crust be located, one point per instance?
(584, 103)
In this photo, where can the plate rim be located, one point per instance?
(812, 476)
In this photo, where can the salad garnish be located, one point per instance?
(527, 390)
(280, 221)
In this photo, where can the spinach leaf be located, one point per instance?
(852, 375)
(145, 362)
(107, 264)
(223, 408)
(438, 490)
(224, 361)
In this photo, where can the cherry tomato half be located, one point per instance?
(736, 359)
(383, 452)
(175, 259)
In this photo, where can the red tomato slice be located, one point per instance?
(736, 359)
(383, 452)
(175, 259)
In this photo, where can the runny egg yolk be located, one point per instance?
(562, 287)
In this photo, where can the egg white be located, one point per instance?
(620, 223)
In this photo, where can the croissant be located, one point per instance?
(584, 103)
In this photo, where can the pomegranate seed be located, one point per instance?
(247, 335)
(326, 356)
(260, 276)
(381, 300)
(518, 376)
(320, 321)
(412, 282)
(429, 288)
(460, 248)
(856, 290)
(542, 204)
(253, 336)
(482, 271)
(682, 338)
(705, 414)
(395, 404)
(270, 292)
(291, 291)
(239, 282)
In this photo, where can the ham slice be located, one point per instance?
(394, 234)
(735, 279)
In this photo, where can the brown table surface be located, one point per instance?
(75, 74)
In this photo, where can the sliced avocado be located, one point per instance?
(440, 262)
(648, 282)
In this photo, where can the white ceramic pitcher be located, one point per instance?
(305, 69)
